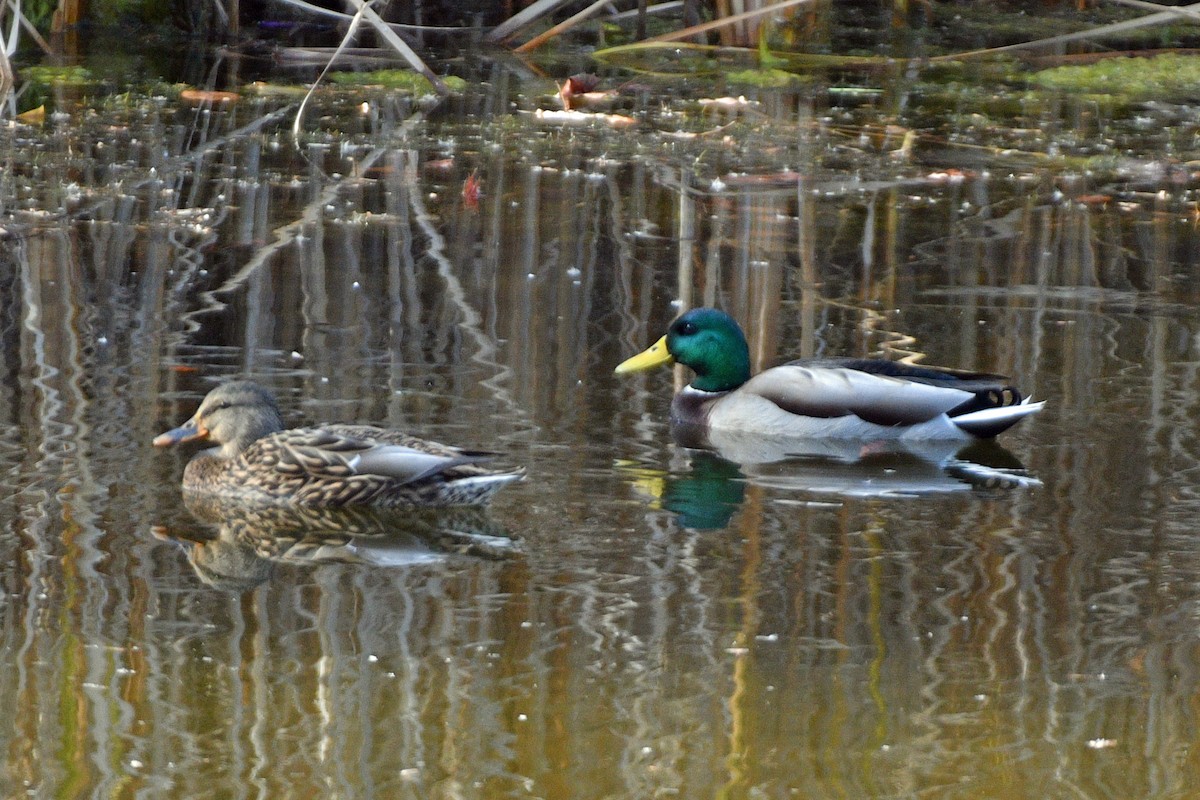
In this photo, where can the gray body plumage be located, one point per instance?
(860, 399)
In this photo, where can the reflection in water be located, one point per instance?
(707, 490)
(896, 468)
(896, 473)
(704, 497)
(250, 538)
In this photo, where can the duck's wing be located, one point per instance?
(934, 376)
(343, 452)
(390, 436)
(839, 387)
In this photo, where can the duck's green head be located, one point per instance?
(708, 341)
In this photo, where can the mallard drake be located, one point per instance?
(327, 466)
(830, 398)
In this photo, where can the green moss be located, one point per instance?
(44, 75)
(401, 79)
(1167, 76)
(763, 78)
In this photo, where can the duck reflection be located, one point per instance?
(703, 493)
(707, 483)
(238, 544)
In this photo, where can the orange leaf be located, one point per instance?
(200, 97)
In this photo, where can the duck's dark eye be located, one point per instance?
(685, 328)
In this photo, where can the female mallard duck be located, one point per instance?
(327, 466)
(833, 398)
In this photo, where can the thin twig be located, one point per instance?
(350, 31)
(30, 30)
(1188, 12)
(7, 81)
(519, 20)
(6, 77)
(10, 46)
(565, 25)
(724, 21)
(657, 8)
(1161, 18)
(396, 26)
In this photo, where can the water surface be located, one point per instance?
(637, 619)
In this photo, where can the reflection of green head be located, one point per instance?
(707, 497)
(713, 345)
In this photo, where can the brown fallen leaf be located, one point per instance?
(200, 97)
(575, 86)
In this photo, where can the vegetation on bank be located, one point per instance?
(1108, 52)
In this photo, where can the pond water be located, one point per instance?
(636, 619)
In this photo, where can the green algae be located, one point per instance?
(399, 79)
(49, 75)
(1168, 76)
(764, 78)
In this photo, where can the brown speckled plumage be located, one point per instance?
(238, 543)
(327, 466)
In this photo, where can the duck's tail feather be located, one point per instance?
(478, 489)
(989, 422)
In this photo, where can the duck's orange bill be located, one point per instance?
(186, 432)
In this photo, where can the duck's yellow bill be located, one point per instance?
(653, 356)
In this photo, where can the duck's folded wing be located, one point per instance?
(329, 454)
(839, 391)
(303, 452)
(406, 464)
(389, 436)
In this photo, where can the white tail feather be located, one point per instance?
(989, 421)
